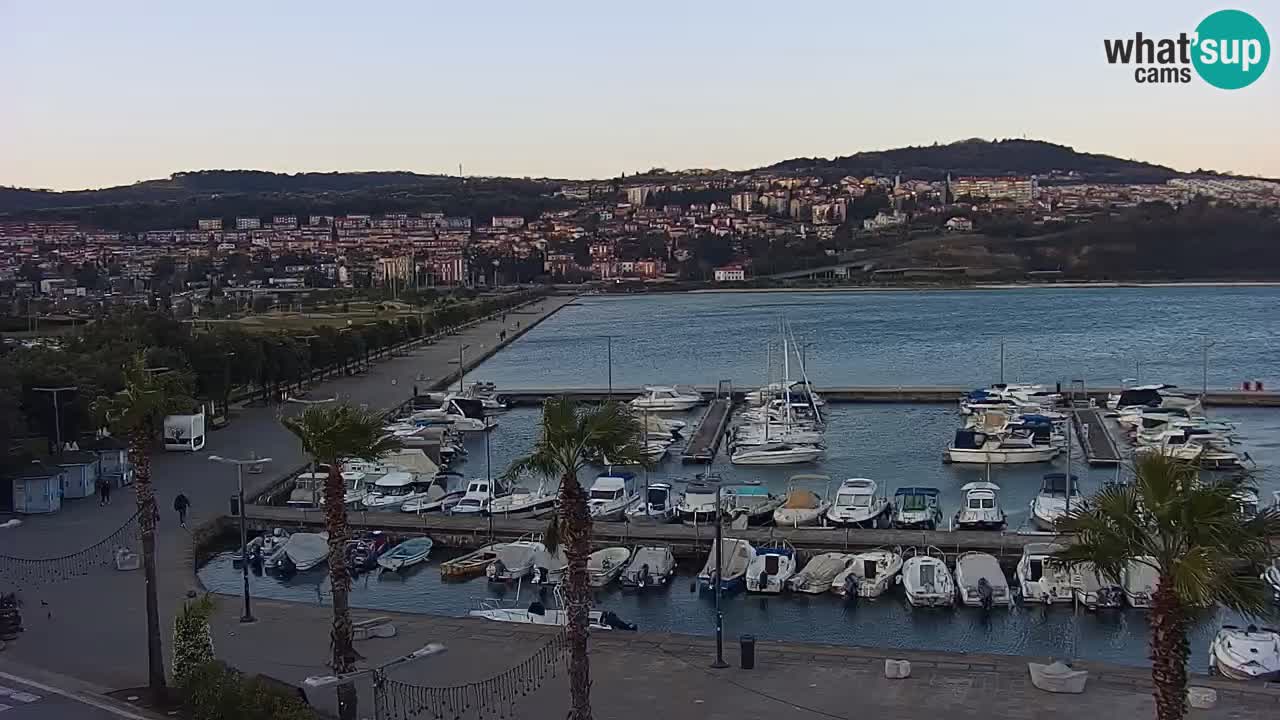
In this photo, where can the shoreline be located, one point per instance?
(1083, 285)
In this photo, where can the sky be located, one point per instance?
(105, 93)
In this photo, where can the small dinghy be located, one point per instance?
(926, 579)
(514, 561)
(869, 575)
(604, 566)
(771, 568)
(549, 568)
(470, 565)
(818, 573)
(803, 506)
(650, 566)
(406, 554)
(1094, 590)
(1248, 654)
(735, 557)
(980, 581)
(307, 550)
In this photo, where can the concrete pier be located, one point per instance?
(1095, 437)
(705, 441)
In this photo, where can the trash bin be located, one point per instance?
(748, 643)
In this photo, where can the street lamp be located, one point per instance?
(247, 617)
(462, 369)
(57, 418)
(720, 664)
(1205, 344)
(379, 675)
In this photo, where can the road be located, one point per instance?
(51, 698)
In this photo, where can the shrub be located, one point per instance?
(215, 692)
(192, 641)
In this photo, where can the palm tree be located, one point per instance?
(1193, 533)
(330, 435)
(137, 412)
(572, 437)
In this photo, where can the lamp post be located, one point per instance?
(247, 617)
(488, 473)
(719, 663)
(462, 369)
(379, 675)
(609, 342)
(1205, 344)
(57, 417)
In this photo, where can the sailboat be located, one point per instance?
(791, 446)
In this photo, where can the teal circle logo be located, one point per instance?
(1232, 49)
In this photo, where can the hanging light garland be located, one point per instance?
(494, 698)
(31, 572)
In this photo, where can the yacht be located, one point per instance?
(485, 393)
(916, 508)
(869, 575)
(736, 556)
(515, 560)
(663, 398)
(659, 504)
(752, 434)
(971, 446)
(775, 453)
(754, 502)
(1041, 578)
(394, 489)
(980, 581)
(538, 614)
(650, 566)
(698, 504)
(458, 413)
(858, 504)
(1157, 396)
(771, 568)
(926, 580)
(1249, 654)
(980, 509)
(436, 499)
(818, 573)
(1055, 499)
(1139, 582)
(612, 496)
(480, 492)
(522, 499)
(803, 506)
(1208, 453)
(1094, 590)
(604, 566)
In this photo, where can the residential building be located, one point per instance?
(507, 221)
(209, 224)
(1021, 190)
(730, 273)
(959, 224)
(248, 223)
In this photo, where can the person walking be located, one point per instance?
(106, 491)
(102, 492)
(181, 503)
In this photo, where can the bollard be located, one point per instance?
(748, 643)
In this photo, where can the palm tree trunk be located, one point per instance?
(575, 534)
(140, 457)
(1169, 652)
(340, 638)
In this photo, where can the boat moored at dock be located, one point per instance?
(980, 581)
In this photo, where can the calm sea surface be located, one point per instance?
(867, 339)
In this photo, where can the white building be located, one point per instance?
(730, 273)
(507, 221)
(248, 223)
(960, 224)
(209, 224)
(883, 220)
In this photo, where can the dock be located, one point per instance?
(1096, 437)
(704, 443)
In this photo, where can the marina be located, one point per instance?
(705, 441)
(1096, 437)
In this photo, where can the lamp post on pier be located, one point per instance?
(719, 663)
(247, 617)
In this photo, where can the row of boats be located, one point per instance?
(285, 554)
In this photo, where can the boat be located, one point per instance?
(522, 499)
(1054, 500)
(869, 575)
(980, 509)
(916, 508)
(926, 580)
(655, 426)
(1153, 396)
(436, 499)
(650, 566)
(364, 550)
(485, 393)
(1139, 581)
(549, 567)
(1201, 448)
(395, 489)
(472, 564)
(698, 504)
(405, 555)
(980, 581)
(475, 501)
(307, 550)
(666, 398)
(775, 453)
(760, 433)
(771, 568)
(537, 614)
(1249, 654)
(659, 504)
(754, 502)
(736, 556)
(1042, 579)
(604, 566)
(798, 391)
(803, 506)
(612, 496)
(1094, 590)
(461, 414)
(514, 560)
(972, 446)
(818, 573)
(857, 504)
(654, 449)
(1271, 576)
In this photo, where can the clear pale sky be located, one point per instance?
(103, 93)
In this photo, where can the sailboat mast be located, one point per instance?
(786, 381)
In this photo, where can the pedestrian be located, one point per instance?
(102, 492)
(181, 503)
(106, 491)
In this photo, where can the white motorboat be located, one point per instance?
(1042, 579)
(1094, 590)
(869, 575)
(858, 504)
(1208, 453)
(818, 573)
(752, 434)
(655, 426)
(309, 487)
(1139, 582)
(771, 568)
(485, 393)
(655, 449)
(1055, 499)
(665, 398)
(549, 567)
(650, 566)
(612, 496)
(436, 499)
(1249, 654)
(659, 504)
(405, 555)
(515, 560)
(307, 550)
(775, 454)
(799, 392)
(753, 502)
(916, 508)
(522, 499)
(395, 489)
(802, 505)
(737, 556)
(980, 509)
(971, 446)
(1158, 396)
(1271, 576)
(926, 580)
(537, 614)
(980, 581)
(698, 504)
(480, 492)
(604, 566)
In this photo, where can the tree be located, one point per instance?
(1193, 533)
(572, 437)
(138, 412)
(330, 435)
